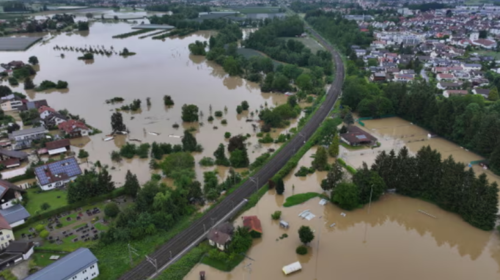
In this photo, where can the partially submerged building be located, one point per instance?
(253, 225)
(23, 138)
(220, 235)
(356, 136)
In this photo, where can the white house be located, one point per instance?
(220, 235)
(6, 234)
(57, 174)
(24, 137)
(15, 215)
(10, 103)
(471, 66)
(15, 252)
(44, 111)
(74, 128)
(10, 194)
(78, 265)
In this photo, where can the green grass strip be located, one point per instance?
(300, 198)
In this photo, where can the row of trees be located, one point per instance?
(466, 120)
(447, 183)
(91, 183)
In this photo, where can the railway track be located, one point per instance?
(177, 244)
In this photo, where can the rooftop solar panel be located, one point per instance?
(67, 166)
(361, 137)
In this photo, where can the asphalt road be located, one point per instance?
(175, 245)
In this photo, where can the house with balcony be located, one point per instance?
(10, 194)
(23, 138)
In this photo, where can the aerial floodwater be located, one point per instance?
(389, 240)
(160, 67)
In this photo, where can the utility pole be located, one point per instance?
(153, 262)
(370, 205)
(249, 267)
(256, 181)
(131, 251)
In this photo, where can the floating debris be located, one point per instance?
(323, 201)
(109, 138)
(332, 225)
(425, 213)
(174, 136)
(343, 214)
(154, 133)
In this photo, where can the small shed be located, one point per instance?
(291, 268)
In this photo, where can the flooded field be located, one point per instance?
(394, 133)
(160, 67)
(389, 240)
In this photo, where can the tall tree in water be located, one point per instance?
(117, 122)
(280, 187)
(189, 142)
(131, 185)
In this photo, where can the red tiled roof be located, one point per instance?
(3, 223)
(45, 108)
(57, 144)
(70, 125)
(252, 223)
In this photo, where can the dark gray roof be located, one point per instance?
(33, 130)
(66, 267)
(19, 247)
(14, 214)
(14, 154)
(17, 43)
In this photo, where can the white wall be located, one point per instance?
(17, 223)
(88, 273)
(51, 186)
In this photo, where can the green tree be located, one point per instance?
(369, 183)
(239, 158)
(197, 48)
(333, 177)
(28, 83)
(304, 82)
(349, 120)
(131, 186)
(320, 161)
(111, 210)
(90, 184)
(333, 149)
(33, 60)
(244, 105)
(189, 143)
(346, 195)
(280, 187)
(232, 66)
(494, 159)
(45, 206)
(305, 234)
(220, 156)
(189, 113)
(176, 163)
(493, 95)
(83, 154)
(210, 185)
(117, 122)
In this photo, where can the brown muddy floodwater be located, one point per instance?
(160, 67)
(390, 241)
(394, 133)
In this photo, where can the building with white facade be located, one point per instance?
(24, 137)
(78, 265)
(57, 174)
(15, 215)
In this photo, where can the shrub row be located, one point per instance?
(349, 169)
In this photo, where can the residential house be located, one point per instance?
(448, 85)
(445, 77)
(471, 66)
(24, 137)
(15, 215)
(485, 44)
(78, 265)
(10, 194)
(6, 233)
(378, 77)
(403, 78)
(356, 136)
(483, 91)
(448, 93)
(15, 64)
(57, 174)
(74, 128)
(10, 159)
(360, 52)
(28, 105)
(58, 146)
(10, 103)
(53, 119)
(15, 252)
(44, 111)
(253, 225)
(220, 235)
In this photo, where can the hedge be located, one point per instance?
(181, 268)
(21, 178)
(116, 193)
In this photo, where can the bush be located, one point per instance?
(281, 139)
(260, 134)
(83, 154)
(115, 156)
(223, 122)
(44, 234)
(61, 84)
(303, 171)
(266, 139)
(39, 228)
(87, 56)
(276, 215)
(111, 210)
(13, 81)
(210, 118)
(301, 250)
(227, 135)
(45, 206)
(207, 161)
(259, 161)
(167, 100)
(244, 105)
(218, 114)
(239, 110)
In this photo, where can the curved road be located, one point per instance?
(177, 244)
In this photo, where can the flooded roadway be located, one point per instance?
(159, 68)
(390, 241)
